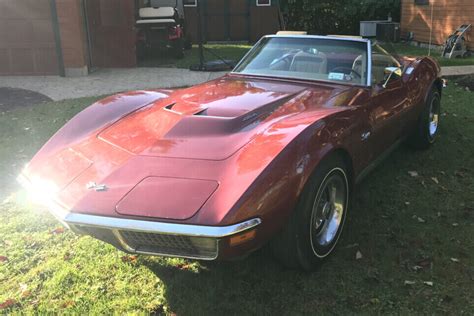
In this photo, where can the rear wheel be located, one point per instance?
(428, 123)
(316, 224)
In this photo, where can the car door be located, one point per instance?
(387, 104)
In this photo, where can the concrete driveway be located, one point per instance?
(108, 81)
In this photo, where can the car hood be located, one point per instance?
(148, 149)
(210, 121)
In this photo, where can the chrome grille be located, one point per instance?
(171, 245)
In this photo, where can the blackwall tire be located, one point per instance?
(318, 220)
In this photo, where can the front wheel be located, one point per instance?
(426, 132)
(317, 222)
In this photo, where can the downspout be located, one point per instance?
(88, 41)
(57, 37)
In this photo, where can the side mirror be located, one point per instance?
(392, 72)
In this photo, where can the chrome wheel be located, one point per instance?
(434, 117)
(328, 212)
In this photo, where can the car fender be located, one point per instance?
(99, 116)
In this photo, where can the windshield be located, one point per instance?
(308, 58)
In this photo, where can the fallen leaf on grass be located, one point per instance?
(420, 220)
(429, 283)
(413, 173)
(417, 268)
(184, 266)
(424, 262)
(131, 259)
(409, 282)
(454, 259)
(8, 303)
(67, 304)
(460, 174)
(3, 259)
(57, 231)
(24, 292)
(358, 255)
(435, 180)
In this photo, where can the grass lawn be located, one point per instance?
(415, 234)
(236, 52)
(212, 52)
(408, 50)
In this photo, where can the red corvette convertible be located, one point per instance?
(268, 153)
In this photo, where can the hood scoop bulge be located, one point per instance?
(205, 124)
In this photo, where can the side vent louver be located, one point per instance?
(201, 113)
(170, 107)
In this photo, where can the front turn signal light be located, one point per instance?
(242, 238)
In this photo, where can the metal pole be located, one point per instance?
(88, 34)
(431, 28)
(200, 38)
(57, 37)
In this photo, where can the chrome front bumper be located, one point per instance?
(148, 237)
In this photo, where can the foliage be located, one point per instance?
(336, 17)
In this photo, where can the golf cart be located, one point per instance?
(160, 25)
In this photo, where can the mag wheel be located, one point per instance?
(317, 223)
(328, 212)
(428, 123)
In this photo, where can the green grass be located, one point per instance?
(407, 229)
(409, 50)
(236, 52)
(212, 52)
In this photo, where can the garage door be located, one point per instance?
(112, 34)
(27, 44)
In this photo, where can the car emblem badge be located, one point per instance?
(97, 187)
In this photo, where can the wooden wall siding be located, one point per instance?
(27, 45)
(447, 16)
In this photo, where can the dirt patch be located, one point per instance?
(466, 82)
(13, 97)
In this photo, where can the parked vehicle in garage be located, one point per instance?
(269, 153)
(161, 25)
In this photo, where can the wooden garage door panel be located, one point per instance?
(111, 28)
(27, 45)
